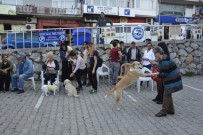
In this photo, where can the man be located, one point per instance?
(24, 71)
(115, 55)
(102, 22)
(133, 53)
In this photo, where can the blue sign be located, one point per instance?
(176, 19)
(52, 35)
(138, 33)
(90, 9)
(126, 11)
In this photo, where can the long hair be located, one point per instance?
(164, 48)
(63, 44)
(92, 48)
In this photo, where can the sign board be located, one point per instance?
(1, 27)
(98, 9)
(18, 27)
(7, 9)
(52, 35)
(128, 12)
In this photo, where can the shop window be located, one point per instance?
(119, 29)
(127, 29)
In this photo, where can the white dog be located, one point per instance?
(70, 89)
(46, 88)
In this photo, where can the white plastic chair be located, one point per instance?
(31, 78)
(100, 72)
(42, 77)
(144, 79)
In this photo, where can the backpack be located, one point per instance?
(99, 61)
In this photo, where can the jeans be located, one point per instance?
(93, 77)
(78, 75)
(115, 70)
(21, 78)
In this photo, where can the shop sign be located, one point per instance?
(7, 9)
(99, 9)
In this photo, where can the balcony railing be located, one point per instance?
(31, 9)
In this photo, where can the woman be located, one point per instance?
(170, 74)
(6, 68)
(86, 59)
(93, 67)
(160, 85)
(66, 65)
(79, 70)
(51, 68)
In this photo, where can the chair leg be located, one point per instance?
(152, 85)
(33, 83)
(98, 79)
(138, 86)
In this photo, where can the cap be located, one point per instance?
(21, 55)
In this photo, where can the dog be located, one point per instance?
(53, 87)
(133, 74)
(71, 90)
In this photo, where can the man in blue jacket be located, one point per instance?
(24, 71)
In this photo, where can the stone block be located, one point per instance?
(194, 45)
(182, 52)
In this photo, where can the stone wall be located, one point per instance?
(188, 55)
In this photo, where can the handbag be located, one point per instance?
(155, 78)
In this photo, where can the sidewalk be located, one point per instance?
(96, 115)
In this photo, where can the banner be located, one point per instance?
(7, 9)
(52, 35)
(99, 9)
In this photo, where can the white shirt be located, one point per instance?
(133, 54)
(148, 55)
(85, 57)
(51, 65)
(80, 64)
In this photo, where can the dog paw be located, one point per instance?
(105, 96)
(118, 108)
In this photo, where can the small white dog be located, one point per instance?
(46, 88)
(70, 89)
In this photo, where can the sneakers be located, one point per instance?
(79, 89)
(14, 90)
(20, 91)
(92, 91)
(159, 102)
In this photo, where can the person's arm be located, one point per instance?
(77, 65)
(109, 21)
(138, 54)
(57, 65)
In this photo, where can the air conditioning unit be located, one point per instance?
(91, 18)
(30, 26)
(31, 20)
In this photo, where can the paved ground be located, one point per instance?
(96, 115)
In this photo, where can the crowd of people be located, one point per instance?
(82, 65)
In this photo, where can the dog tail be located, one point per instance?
(76, 95)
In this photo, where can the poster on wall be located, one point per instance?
(108, 32)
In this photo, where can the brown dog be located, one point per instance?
(126, 81)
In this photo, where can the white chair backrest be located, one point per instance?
(100, 69)
(144, 69)
(14, 68)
